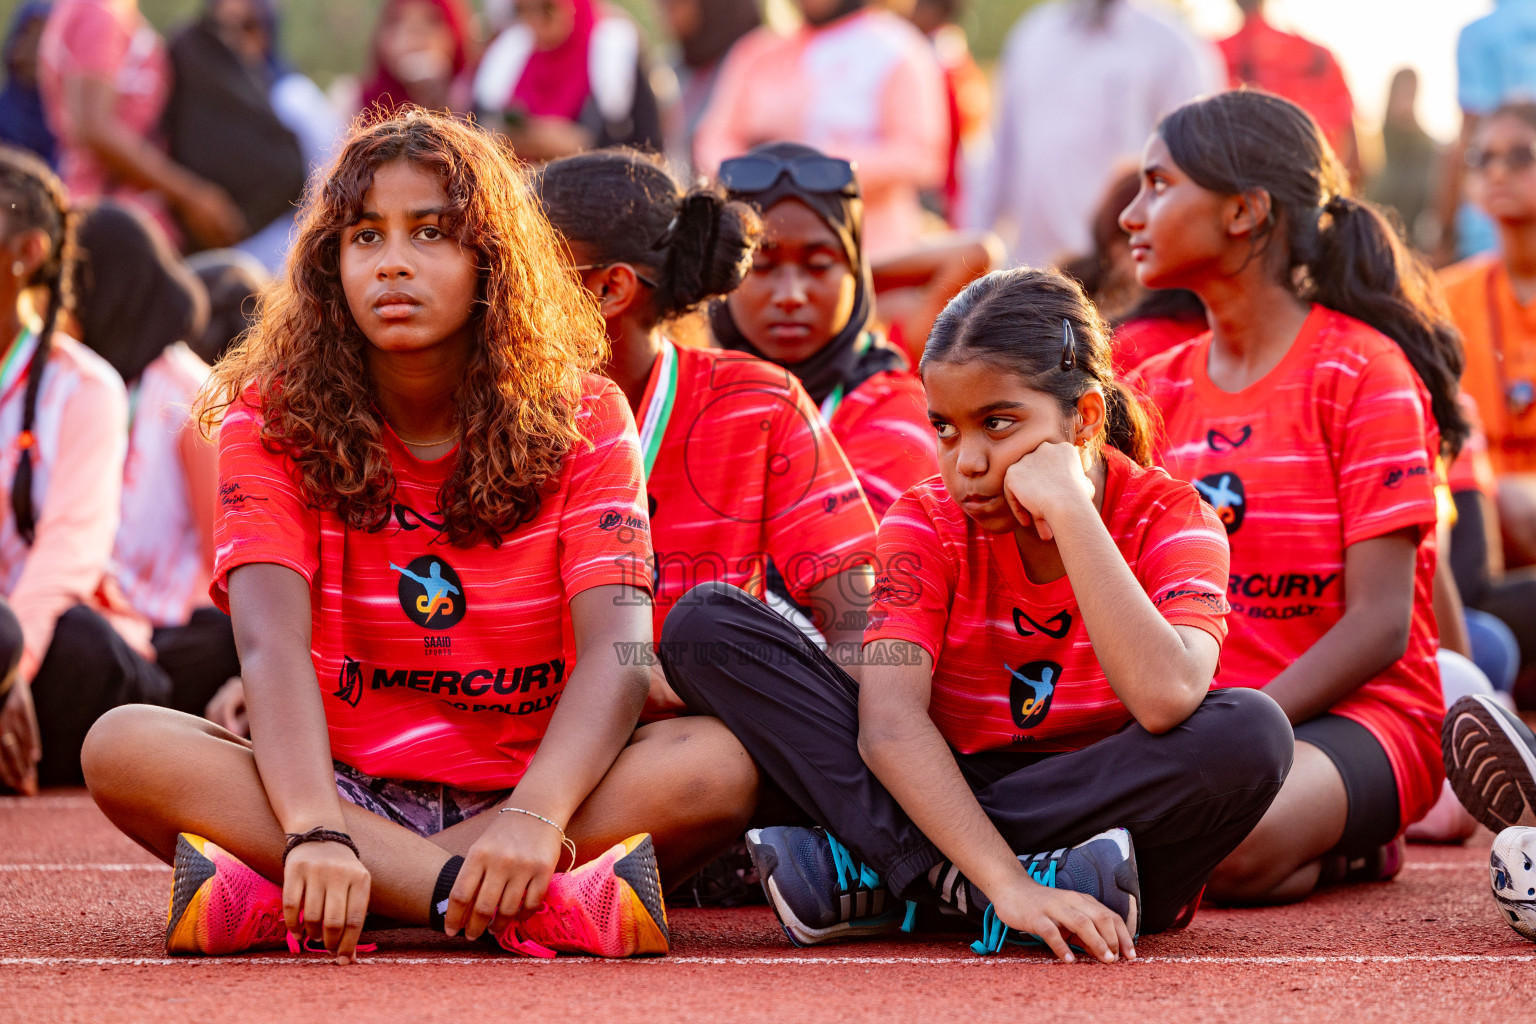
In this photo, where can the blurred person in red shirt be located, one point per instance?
(965, 85)
(1297, 69)
(422, 52)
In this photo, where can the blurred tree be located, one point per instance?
(326, 38)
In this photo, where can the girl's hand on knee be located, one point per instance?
(505, 875)
(1056, 914)
(325, 897)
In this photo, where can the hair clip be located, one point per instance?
(668, 235)
(1068, 346)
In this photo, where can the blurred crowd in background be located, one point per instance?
(212, 130)
(200, 141)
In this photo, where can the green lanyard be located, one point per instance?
(17, 360)
(653, 427)
(835, 399)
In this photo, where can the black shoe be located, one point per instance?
(1490, 762)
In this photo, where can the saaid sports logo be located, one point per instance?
(1031, 692)
(431, 594)
(1224, 492)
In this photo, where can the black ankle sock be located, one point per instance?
(955, 890)
(442, 890)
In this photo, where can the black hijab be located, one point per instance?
(843, 360)
(219, 122)
(133, 297)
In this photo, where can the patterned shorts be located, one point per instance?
(425, 808)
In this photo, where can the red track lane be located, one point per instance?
(84, 911)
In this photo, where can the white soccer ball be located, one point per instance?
(1512, 870)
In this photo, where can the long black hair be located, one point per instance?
(1015, 320)
(1341, 252)
(33, 199)
(628, 208)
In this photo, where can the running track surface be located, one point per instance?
(84, 918)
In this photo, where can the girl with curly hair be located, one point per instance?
(433, 543)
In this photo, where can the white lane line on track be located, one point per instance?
(797, 961)
(84, 867)
(1475, 866)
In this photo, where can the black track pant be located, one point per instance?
(199, 657)
(1188, 797)
(88, 670)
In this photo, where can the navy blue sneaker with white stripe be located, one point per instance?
(1103, 867)
(817, 888)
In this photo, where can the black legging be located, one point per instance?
(1188, 796)
(89, 669)
(1510, 598)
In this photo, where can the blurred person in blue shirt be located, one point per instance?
(1495, 63)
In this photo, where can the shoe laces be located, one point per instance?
(851, 874)
(516, 940)
(298, 946)
(994, 933)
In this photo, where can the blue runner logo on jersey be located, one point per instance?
(1224, 492)
(1030, 694)
(431, 594)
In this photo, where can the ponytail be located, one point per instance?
(1341, 252)
(36, 201)
(1362, 269)
(1128, 427)
(626, 207)
(1014, 319)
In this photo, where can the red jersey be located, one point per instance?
(1294, 68)
(441, 663)
(1136, 341)
(742, 468)
(1333, 447)
(883, 427)
(1013, 667)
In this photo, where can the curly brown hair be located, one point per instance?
(536, 332)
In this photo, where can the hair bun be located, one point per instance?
(709, 246)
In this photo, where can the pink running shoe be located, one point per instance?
(219, 905)
(610, 906)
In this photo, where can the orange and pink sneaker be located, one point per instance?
(219, 905)
(610, 906)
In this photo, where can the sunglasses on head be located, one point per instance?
(760, 172)
(1519, 158)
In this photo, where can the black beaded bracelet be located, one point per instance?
(319, 835)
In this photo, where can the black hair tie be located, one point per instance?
(1339, 206)
(1068, 346)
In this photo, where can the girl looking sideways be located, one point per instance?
(1030, 742)
(421, 480)
(1310, 417)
